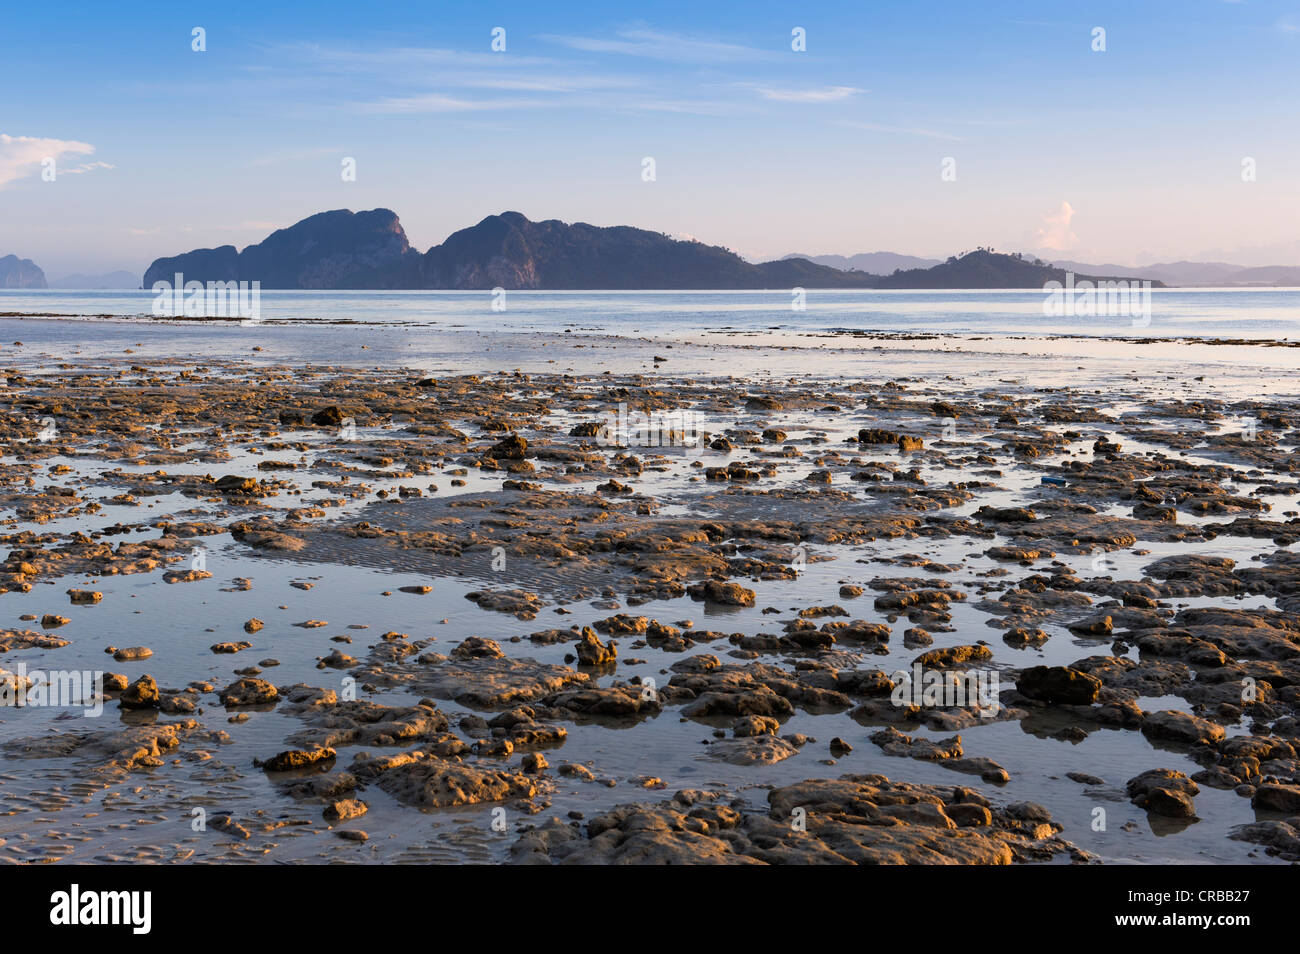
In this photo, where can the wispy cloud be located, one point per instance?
(438, 103)
(22, 156)
(416, 80)
(900, 130)
(85, 167)
(536, 83)
(826, 94)
(685, 105)
(610, 101)
(438, 67)
(658, 45)
(400, 63)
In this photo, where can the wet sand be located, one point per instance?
(489, 634)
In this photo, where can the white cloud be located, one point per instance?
(401, 62)
(85, 167)
(437, 103)
(657, 45)
(421, 81)
(612, 100)
(1055, 232)
(829, 94)
(21, 156)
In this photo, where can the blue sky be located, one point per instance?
(1130, 155)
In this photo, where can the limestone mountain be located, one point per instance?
(365, 250)
(329, 250)
(18, 272)
(511, 251)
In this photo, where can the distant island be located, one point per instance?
(984, 268)
(369, 250)
(877, 263)
(18, 272)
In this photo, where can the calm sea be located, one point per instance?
(1224, 313)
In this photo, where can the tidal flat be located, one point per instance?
(385, 608)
